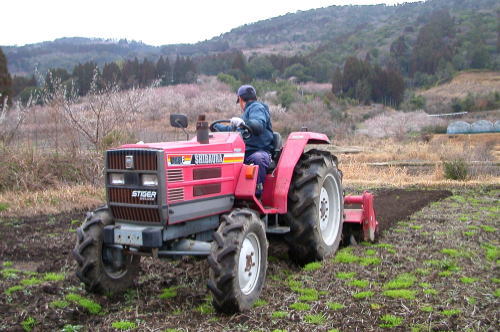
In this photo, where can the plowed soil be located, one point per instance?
(448, 245)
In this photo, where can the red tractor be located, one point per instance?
(196, 197)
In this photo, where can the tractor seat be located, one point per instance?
(275, 153)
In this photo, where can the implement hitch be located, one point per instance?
(364, 216)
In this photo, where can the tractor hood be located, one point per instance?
(219, 142)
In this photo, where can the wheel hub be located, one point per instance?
(249, 263)
(329, 209)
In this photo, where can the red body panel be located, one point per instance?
(277, 184)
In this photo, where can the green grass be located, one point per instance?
(59, 304)
(384, 245)
(416, 227)
(451, 312)
(205, 308)
(496, 293)
(346, 256)
(370, 252)
(13, 289)
(335, 305)
(300, 306)
(467, 280)
(363, 295)
(168, 293)
(492, 252)
(400, 294)
(404, 280)
(51, 276)
(359, 283)
(279, 314)
(295, 284)
(430, 291)
(427, 308)
(313, 266)
(124, 325)
(451, 252)
(365, 261)
(7, 264)
(390, 321)
(345, 275)
(259, 303)
(317, 319)
(71, 328)
(424, 285)
(10, 273)
(422, 272)
(445, 273)
(89, 305)
(495, 280)
(3, 206)
(28, 324)
(31, 281)
(375, 306)
(469, 233)
(487, 228)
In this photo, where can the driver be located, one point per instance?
(260, 144)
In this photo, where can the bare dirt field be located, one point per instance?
(435, 267)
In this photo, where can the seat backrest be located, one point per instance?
(277, 144)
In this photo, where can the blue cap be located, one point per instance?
(246, 92)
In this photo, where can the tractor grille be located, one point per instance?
(176, 194)
(124, 195)
(144, 160)
(175, 175)
(136, 214)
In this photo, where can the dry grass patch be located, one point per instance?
(51, 201)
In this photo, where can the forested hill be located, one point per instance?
(325, 36)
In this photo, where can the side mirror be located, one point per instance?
(178, 120)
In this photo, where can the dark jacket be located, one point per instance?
(257, 117)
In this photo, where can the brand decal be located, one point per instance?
(216, 158)
(204, 159)
(144, 195)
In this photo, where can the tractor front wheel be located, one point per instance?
(315, 208)
(238, 261)
(102, 269)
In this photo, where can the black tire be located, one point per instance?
(315, 190)
(241, 232)
(95, 266)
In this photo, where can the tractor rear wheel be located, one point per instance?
(238, 261)
(315, 208)
(100, 268)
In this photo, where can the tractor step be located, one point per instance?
(278, 230)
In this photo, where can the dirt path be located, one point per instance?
(435, 297)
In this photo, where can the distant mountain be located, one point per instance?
(326, 35)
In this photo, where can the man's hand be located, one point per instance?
(236, 122)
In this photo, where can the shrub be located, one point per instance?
(455, 170)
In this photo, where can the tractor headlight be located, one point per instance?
(117, 179)
(149, 180)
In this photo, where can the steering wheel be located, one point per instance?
(245, 133)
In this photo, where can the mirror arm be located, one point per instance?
(183, 129)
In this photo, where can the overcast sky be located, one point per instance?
(154, 22)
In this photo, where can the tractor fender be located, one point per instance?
(277, 184)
